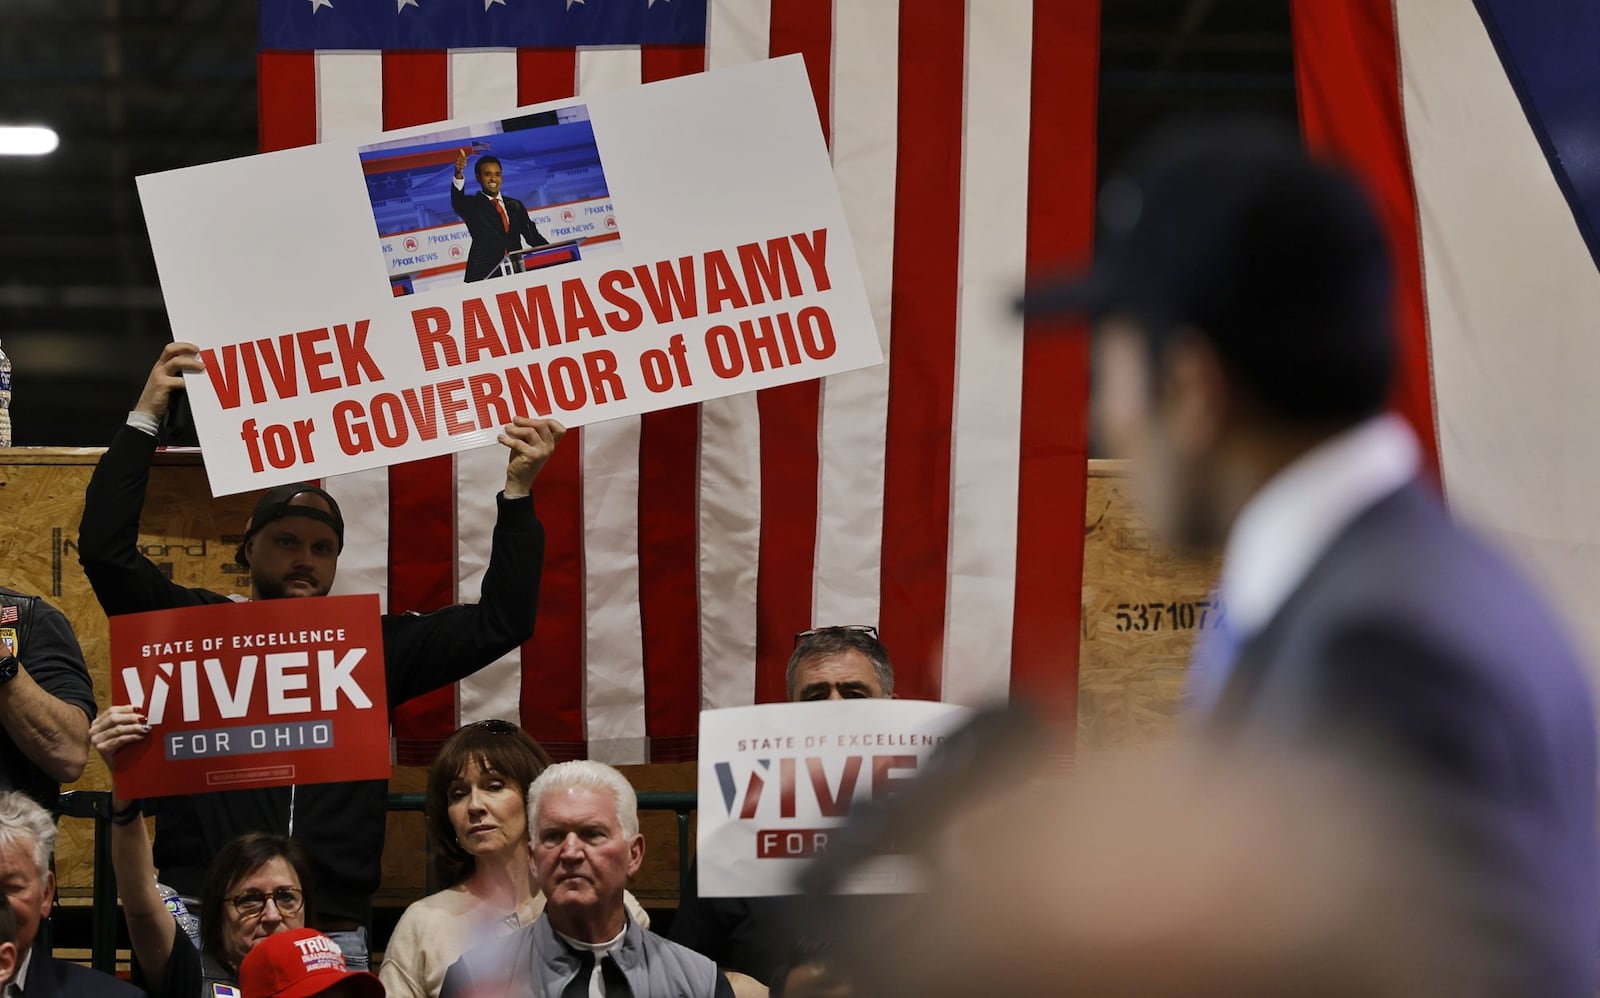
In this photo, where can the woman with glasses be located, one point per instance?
(478, 828)
(255, 886)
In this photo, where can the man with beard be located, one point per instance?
(291, 547)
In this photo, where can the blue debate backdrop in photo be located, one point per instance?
(549, 158)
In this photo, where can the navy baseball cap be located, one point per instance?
(277, 503)
(1232, 230)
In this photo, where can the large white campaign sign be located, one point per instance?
(601, 257)
(777, 779)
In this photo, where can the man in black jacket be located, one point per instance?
(498, 224)
(292, 548)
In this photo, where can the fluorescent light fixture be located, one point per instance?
(27, 140)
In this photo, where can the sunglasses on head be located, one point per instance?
(867, 629)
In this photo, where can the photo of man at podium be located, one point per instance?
(498, 224)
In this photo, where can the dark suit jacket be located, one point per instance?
(490, 239)
(1409, 632)
(49, 978)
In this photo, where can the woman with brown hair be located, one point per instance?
(478, 823)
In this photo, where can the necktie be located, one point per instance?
(615, 982)
(1210, 664)
(505, 220)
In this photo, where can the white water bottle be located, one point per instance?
(5, 400)
(180, 912)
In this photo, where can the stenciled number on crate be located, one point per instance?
(1178, 615)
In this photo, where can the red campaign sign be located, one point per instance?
(259, 694)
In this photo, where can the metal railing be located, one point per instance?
(96, 805)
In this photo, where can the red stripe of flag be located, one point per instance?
(1055, 362)
(546, 74)
(669, 549)
(927, 235)
(553, 660)
(789, 420)
(286, 97)
(422, 519)
(1347, 76)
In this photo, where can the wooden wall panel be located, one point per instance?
(1142, 609)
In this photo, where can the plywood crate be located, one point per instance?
(1141, 610)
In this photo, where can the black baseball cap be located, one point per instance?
(277, 503)
(1231, 229)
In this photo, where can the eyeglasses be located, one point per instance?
(867, 629)
(251, 904)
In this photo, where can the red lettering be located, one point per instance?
(453, 406)
(280, 364)
(486, 391)
(752, 796)
(674, 297)
(315, 360)
(785, 788)
(721, 285)
(578, 311)
(389, 420)
(816, 333)
(628, 314)
(722, 346)
(432, 326)
(604, 382)
(529, 397)
(353, 356)
(521, 320)
(834, 805)
(566, 382)
(423, 411)
(252, 372)
(770, 276)
(815, 252)
(226, 387)
(350, 428)
(479, 336)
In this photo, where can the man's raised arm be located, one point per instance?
(124, 580)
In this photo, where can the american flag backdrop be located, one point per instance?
(939, 496)
(1474, 126)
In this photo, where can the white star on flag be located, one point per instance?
(571, 2)
(651, 3)
(487, 4)
(403, 4)
(317, 5)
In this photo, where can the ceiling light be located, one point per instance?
(27, 140)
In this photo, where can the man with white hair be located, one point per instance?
(583, 819)
(27, 841)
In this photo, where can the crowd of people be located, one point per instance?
(1387, 784)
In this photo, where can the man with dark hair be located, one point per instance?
(291, 547)
(839, 663)
(46, 699)
(751, 937)
(1243, 353)
(499, 224)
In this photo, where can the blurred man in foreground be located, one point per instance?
(1199, 872)
(1243, 353)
